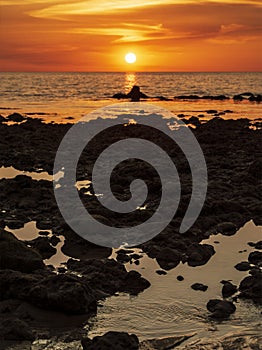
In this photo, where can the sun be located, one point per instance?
(130, 57)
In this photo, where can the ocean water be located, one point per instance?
(76, 94)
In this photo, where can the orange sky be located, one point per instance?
(166, 35)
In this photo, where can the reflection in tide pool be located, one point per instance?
(170, 307)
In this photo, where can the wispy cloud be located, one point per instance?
(92, 7)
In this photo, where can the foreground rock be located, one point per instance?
(15, 255)
(251, 287)
(109, 276)
(112, 340)
(66, 293)
(163, 343)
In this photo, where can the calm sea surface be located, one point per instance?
(76, 94)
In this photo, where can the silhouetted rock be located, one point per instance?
(251, 287)
(109, 276)
(226, 228)
(12, 328)
(16, 117)
(228, 289)
(42, 245)
(161, 272)
(199, 286)
(199, 254)
(255, 258)
(135, 94)
(15, 255)
(112, 340)
(168, 258)
(220, 308)
(243, 266)
(66, 293)
(180, 278)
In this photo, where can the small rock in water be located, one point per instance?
(243, 266)
(228, 289)
(161, 272)
(180, 278)
(199, 286)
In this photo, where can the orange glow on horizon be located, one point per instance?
(165, 35)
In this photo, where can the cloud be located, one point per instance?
(92, 7)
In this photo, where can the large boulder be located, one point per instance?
(251, 287)
(15, 255)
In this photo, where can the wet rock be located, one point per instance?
(180, 278)
(243, 266)
(14, 224)
(194, 121)
(2, 119)
(255, 170)
(199, 286)
(255, 257)
(220, 308)
(16, 117)
(109, 276)
(251, 287)
(211, 111)
(161, 272)
(42, 245)
(66, 293)
(54, 240)
(12, 328)
(168, 258)
(226, 228)
(228, 289)
(120, 96)
(15, 255)
(112, 340)
(199, 254)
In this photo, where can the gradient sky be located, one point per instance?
(166, 35)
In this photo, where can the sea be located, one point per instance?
(56, 96)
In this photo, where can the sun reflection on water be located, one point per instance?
(130, 81)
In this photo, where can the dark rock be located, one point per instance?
(258, 245)
(135, 94)
(109, 276)
(15, 329)
(54, 240)
(2, 119)
(161, 272)
(220, 308)
(243, 266)
(180, 278)
(194, 121)
(168, 258)
(228, 289)
(199, 286)
(164, 343)
(112, 340)
(211, 111)
(227, 228)
(120, 96)
(123, 258)
(251, 287)
(255, 257)
(255, 170)
(15, 255)
(66, 293)
(42, 245)
(199, 254)
(16, 117)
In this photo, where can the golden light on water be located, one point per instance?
(130, 81)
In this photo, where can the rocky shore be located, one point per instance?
(33, 292)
